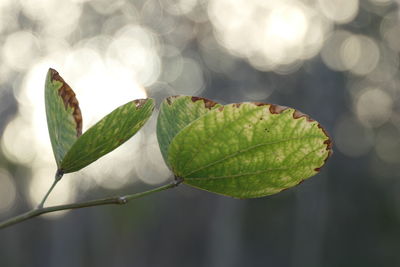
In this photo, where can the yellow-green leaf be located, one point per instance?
(248, 150)
(176, 112)
(106, 135)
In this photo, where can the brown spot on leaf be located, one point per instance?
(140, 102)
(207, 102)
(236, 105)
(276, 109)
(328, 144)
(221, 108)
(169, 99)
(69, 99)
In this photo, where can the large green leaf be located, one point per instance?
(106, 135)
(248, 150)
(175, 113)
(64, 117)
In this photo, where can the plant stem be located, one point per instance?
(98, 202)
(57, 178)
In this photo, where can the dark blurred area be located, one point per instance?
(336, 60)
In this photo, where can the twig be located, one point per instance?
(105, 201)
(57, 178)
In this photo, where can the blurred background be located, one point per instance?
(336, 60)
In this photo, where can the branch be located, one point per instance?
(99, 202)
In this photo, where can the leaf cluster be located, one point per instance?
(242, 150)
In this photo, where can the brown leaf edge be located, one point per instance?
(69, 98)
(277, 109)
(209, 104)
(274, 109)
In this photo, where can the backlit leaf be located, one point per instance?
(175, 113)
(64, 117)
(248, 150)
(106, 135)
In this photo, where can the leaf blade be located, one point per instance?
(249, 150)
(176, 112)
(107, 134)
(64, 118)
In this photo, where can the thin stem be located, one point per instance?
(105, 201)
(57, 178)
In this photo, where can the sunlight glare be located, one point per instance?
(271, 35)
(339, 11)
(287, 24)
(360, 54)
(20, 50)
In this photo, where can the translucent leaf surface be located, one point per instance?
(176, 112)
(106, 135)
(248, 150)
(64, 117)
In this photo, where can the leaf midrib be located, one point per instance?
(253, 173)
(217, 133)
(248, 149)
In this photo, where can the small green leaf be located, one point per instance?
(248, 150)
(175, 113)
(64, 117)
(106, 135)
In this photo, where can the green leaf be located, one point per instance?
(106, 135)
(248, 150)
(64, 117)
(175, 113)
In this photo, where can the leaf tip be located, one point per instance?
(69, 98)
(55, 76)
(52, 72)
(329, 144)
